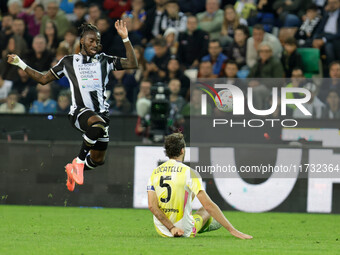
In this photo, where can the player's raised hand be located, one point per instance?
(177, 232)
(12, 59)
(15, 60)
(240, 235)
(121, 29)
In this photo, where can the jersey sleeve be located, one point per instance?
(114, 63)
(194, 181)
(58, 69)
(150, 186)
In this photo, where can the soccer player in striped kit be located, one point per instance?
(87, 73)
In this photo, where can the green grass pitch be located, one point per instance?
(66, 230)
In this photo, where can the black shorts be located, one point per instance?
(79, 121)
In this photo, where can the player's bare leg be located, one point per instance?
(93, 150)
(94, 159)
(209, 224)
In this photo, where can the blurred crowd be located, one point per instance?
(176, 42)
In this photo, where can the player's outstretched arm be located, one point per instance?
(217, 214)
(130, 62)
(154, 208)
(37, 76)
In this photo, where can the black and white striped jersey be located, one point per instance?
(88, 78)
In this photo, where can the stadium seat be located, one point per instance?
(311, 61)
(250, 31)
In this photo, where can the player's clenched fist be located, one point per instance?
(15, 60)
(177, 232)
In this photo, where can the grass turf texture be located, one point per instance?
(67, 230)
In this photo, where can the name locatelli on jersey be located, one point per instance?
(170, 169)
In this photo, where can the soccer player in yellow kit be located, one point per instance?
(171, 190)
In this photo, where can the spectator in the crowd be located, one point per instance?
(306, 32)
(332, 109)
(71, 41)
(26, 88)
(138, 14)
(173, 17)
(193, 108)
(143, 106)
(79, 11)
(290, 58)
(205, 70)
(5, 88)
(259, 36)
(332, 83)
(95, 12)
(33, 20)
(117, 7)
(40, 58)
(107, 36)
(238, 49)
(211, 20)
(12, 105)
(64, 102)
(67, 6)
(245, 8)
(156, 69)
(19, 29)
(120, 104)
(265, 15)
(230, 73)
(314, 105)
(289, 11)
(230, 22)
(298, 80)
(14, 7)
(15, 46)
(63, 82)
(144, 89)
(215, 56)
(177, 102)
(128, 81)
(118, 48)
(171, 37)
(44, 103)
(151, 26)
(51, 36)
(327, 34)
(139, 72)
(193, 44)
(174, 72)
(28, 3)
(268, 66)
(57, 16)
(6, 31)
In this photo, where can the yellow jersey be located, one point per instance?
(176, 185)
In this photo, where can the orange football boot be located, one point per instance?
(70, 183)
(78, 172)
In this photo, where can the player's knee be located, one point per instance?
(97, 130)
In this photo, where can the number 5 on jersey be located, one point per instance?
(167, 186)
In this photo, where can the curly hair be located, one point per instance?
(84, 28)
(173, 144)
